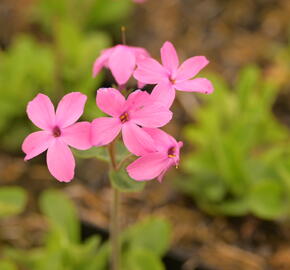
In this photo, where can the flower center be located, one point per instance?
(124, 117)
(172, 80)
(171, 152)
(56, 131)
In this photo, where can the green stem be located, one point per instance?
(114, 226)
(115, 231)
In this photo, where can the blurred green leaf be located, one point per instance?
(12, 201)
(121, 181)
(246, 83)
(61, 213)
(267, 199)
(233, 207)
(98, 261)
(7, 265)
(142, 259)
(100, 153)
(152, 234)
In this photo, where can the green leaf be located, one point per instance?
(100, 153)
(247, 80)
(61, 213)
(121, 181)
(100, 260)
(12, 201)
(267, 200)
(143, 259)
(7, 265)
(52, 259)
(152, 234)
(233, 207)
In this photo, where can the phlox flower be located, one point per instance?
(128, 116)
(171, 76)
(154, 164)
(59, 130)
(121, 60)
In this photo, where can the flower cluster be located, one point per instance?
(137, 117)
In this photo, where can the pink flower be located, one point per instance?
(58, 131)
(128, 116)
(157, 161)
(121, 60)
(171, 75)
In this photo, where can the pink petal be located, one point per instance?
(137, 140)
(36, 143)
(122, 63)
(148, 167)
(201, 85)
(60, 161)
(41, 112)
(140, 54)
(191, 67)
(162, 140)
(101, 61)
(163, 93)
(169, 57)
(111, 101)
(180, 144)
(150, 71)
(78, 135)
(141, 85)
(137, 99)
(105, 130)
(160, 177)
(139, 1)
(164, 143)
(70, 109)
(153, 116)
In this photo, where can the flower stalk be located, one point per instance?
(114, 223)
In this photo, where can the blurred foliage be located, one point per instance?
(54, 60)
(240, 159)
(29, 67)
(88, 14)
(7, 265)
(12, 201)
(63, 249)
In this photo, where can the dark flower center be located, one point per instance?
(124, 117)
(171, 152)
(56, 131)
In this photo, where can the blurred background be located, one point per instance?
(226, 207)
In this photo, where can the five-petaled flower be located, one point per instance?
(171, 76)
(58, 131)
(128, 116)
(121, 60)
(163, 154)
